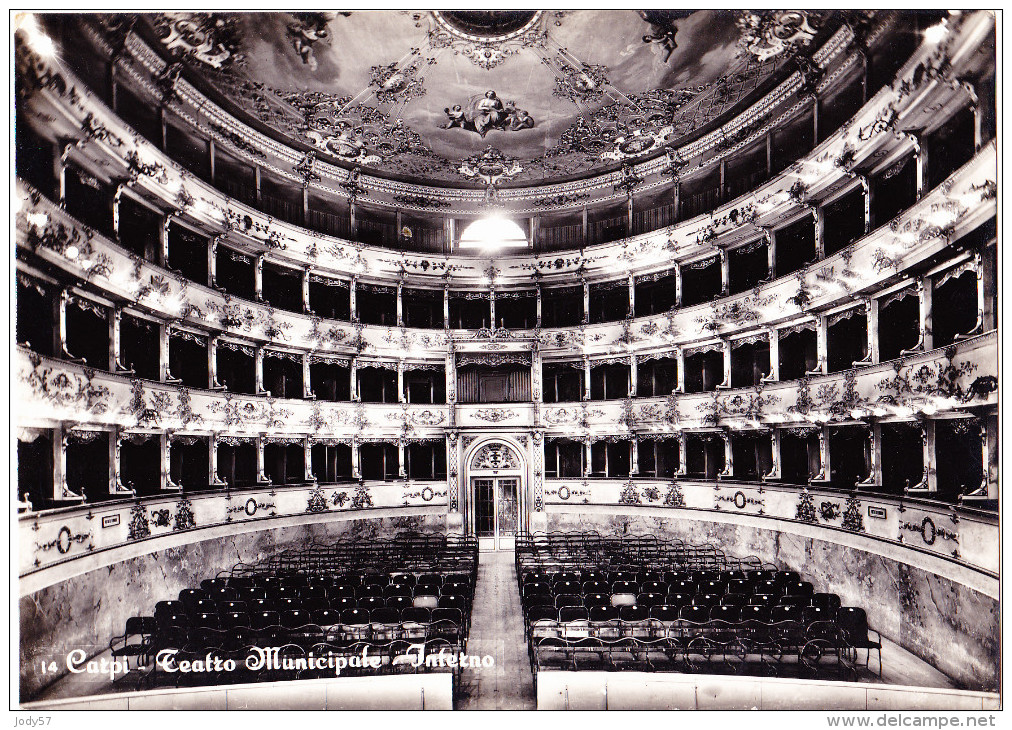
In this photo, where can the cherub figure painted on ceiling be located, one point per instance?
(487, 112)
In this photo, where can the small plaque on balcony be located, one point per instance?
(110, 520)
(878, 513)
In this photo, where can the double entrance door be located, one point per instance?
(496, 511)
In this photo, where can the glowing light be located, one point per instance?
(856, 413)
(937, 33)
(71, 252)
(880, 412)
(492, 233)
(38, 220)
(929, 409)
(39, 41)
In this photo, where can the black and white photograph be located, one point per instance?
(581, 359)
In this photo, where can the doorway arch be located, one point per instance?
(495, 481)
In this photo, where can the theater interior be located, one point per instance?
(506, 359)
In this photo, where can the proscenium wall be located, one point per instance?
(85, 611)
(949, 625)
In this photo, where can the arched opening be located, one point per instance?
(496, 496)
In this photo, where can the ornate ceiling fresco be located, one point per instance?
(427, 94)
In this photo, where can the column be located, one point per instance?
(629, 214)
(921, 160)
(256, 175)
(401, 398)
(211, 158)
(633, 376)
(401, 470)
(400, 303)
(491, 307)
(536, 384)
(873, 457)
(212, 364)
(61, 492)
(115, 484)
(725, 273)
(771, 250)
(634, 460)
(60, 331)
(869, 197)
(258, 371)
(307, 458)
(774, 373)
(212, 261)
(451, 480)
(929, 479)
(726, 347)
(819, 221)
(769, 155)
(164, 333)
(258, 278)
(352, 305)
(451, 386)
(774, 473)
(681, 455)
(678, 284)
(305, 292)
(676, 199)
(632, 296)
(586, 302)
(586, 379)
(262, 477)
(537, 301)
(116, 198)
(871, 322)
(925, 340)
(307, 373)
(586, 227)
(985, 286)
(212, 478)
(722, 192)
(352, 219)
(586, 457)
(115, 320)
(815, 121)
(353, 374)
(63, 149)
(356, 460)
(163, 240)
(446, 308)
(165, 465)
(728, 457)
(824, 468)
(305, 204)
(680, 375)
(978, 328)
(821, 346)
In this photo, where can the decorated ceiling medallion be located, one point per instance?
(395, 84)
(487, 38)
(487, 112)
(771, 33)
(492, 24)
(209, 38)
(490, 166)
(580, 85)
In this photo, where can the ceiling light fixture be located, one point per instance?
(493, 232)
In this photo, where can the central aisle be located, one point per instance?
(497, 629)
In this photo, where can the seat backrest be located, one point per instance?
(415, 614)
(542, 611)
(694, 613)
(623, 599)
(447, 614)
(568, 599)
(633, 613)
(385, 616)
(725, 613)
(573, 613)
(854, 621)
(603, 613)
(355, 617)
